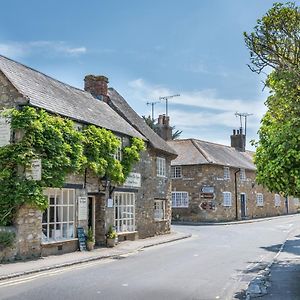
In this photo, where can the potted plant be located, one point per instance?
(90, 240)
(111, 237)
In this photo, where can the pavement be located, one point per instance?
(280, 278)
(16, 269)
(283, 280)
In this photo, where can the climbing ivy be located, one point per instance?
(62, 150)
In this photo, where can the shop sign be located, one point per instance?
(208, 205)
(110, 203)
(4, 131)
(208, 189)
(34, 171)
(82, 208)
(133, 180)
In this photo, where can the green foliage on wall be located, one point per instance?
(6, 239)
(62, 150)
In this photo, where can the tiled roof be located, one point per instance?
(193, 152)
(57, 97)
(123, 108)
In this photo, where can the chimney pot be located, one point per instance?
(97, 86)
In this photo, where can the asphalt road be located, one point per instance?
(217, 262)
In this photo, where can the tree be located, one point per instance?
(275, 40)
(151, 123)
(275, 43)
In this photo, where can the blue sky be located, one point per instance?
(148, 49)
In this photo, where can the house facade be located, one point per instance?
(139, 208)
(212, 182)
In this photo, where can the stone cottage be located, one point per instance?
(139, 208)
(213, 182)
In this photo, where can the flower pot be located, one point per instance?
(110, 242)
(90, 245)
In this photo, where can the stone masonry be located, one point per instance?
(195, 177)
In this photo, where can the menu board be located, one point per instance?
(81, 239)
(4, 131)
(34, 172)
(82, 208)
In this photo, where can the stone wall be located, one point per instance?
(9, 96)
(28, 223)
(8, 253)
(195, 177)
(153, 187)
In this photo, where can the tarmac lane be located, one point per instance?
(217, 262)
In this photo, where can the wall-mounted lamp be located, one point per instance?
(104, 182)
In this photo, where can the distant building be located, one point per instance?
(213, 182)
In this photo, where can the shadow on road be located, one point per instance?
(291, 246)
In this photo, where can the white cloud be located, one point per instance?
(18, 49)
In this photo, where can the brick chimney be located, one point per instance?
(238, 140)
(97, 86)
(164, 130)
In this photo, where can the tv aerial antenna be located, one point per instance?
(152, 103)
(166, 98)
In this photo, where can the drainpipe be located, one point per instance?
(236, 194)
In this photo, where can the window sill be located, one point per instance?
(126, 232)
(58, 241)
(180, 207)
(160, 220)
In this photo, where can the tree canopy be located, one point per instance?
(275, 40)
(275, 43)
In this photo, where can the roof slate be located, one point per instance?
(124, 109)
(193, 152)
(57, 97)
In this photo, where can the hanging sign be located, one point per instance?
(4, 131)
(34, 171)
(82, 208)
(133, 180)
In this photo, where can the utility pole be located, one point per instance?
(166, 98)
(152, 107)
(243, 115)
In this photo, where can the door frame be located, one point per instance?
(245, 204)
(93, 221)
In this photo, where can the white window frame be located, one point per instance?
(242, 174)
(226, 173)
(227, 199)
(118, 154)
(61, 202)
(124, 206)
(176, 172)
(259, 199)
(159, 210)
(161, 167)
(277, 200)
(180, 199)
